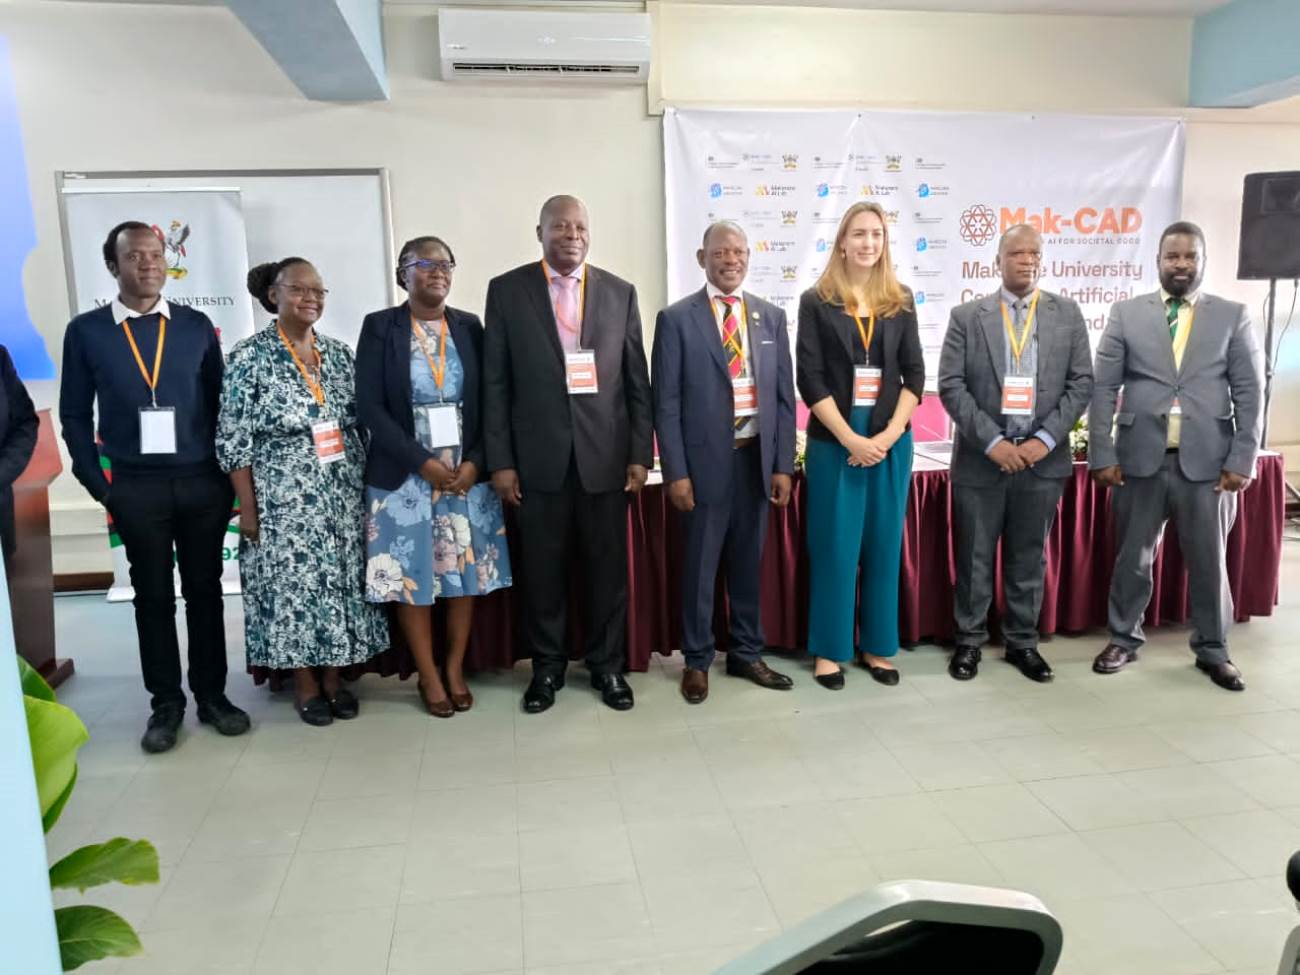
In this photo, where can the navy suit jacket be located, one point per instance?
(384, 403)
(694, 408)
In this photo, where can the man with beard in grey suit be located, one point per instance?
(1014, 375)
(1186, 435)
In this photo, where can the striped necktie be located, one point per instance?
(1171, 316)
(732, 344)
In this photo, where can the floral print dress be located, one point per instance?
(304, 599)
(422, 544)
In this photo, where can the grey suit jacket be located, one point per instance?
(1220, 388)
(972, 367)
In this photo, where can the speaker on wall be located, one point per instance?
(1270, 227)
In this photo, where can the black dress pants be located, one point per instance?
(152, 515)
(550, 523)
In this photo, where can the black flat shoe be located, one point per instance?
(883, 675)
(965, 663)
(832, 682)
(541, 693)
(344, 705)
(615, 691)
(315, 712)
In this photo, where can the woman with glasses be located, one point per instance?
(287, 434)
(434, 530)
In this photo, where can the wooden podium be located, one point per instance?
(31, 571)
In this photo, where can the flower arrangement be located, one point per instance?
(800, 448)
(1079, 438)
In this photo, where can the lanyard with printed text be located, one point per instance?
(150, 381)
(866, 334)
(1018, 344)
(317, 391)
(438, 371)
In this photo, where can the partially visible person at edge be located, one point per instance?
(435, 530)
(153, 370)
(289, 439)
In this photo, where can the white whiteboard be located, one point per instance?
(336, 218)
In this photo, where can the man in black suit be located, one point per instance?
(567, 431)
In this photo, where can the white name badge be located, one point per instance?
(328, 439)
(745, 394)
(1176, 409)
(157, 430)
(580, 372)
(1018, 396)
(444, 429)
(866, 385)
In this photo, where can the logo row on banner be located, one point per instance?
(1099, 189)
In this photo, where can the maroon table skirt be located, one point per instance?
(1080, 555)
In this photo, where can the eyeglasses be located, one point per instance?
(423, 264)
(298, 291)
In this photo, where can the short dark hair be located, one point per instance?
(110, 242)
(413, 245)
(261, 277)
(1181, 227)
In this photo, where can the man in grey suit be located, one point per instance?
(1014, 375)
(1185, 439)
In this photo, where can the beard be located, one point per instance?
(1180, 289)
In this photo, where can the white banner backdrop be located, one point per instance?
(202, 231)
(1100, 190)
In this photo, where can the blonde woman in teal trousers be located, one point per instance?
(860, 369)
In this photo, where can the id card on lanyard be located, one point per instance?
(866, 378)
(580, 376)
(326, 435)
(1019, 393)
(157, 423)
(443, 418)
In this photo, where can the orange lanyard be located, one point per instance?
(440, 370)
(1018, 345)
(317, 391)
(150, 381)
(582, 297)
(867, 334)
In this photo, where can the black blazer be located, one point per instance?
(18, 427)
(530, 422)
(824, 360)
(384, 404)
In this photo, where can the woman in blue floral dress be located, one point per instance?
(287, 434)
(434, 528)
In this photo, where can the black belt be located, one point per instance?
(745, 442)
(1171, 450)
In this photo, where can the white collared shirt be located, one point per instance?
(750, 428)
(121, 313)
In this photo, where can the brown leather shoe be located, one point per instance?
(695, 685)
(760, 673)
(1113, 659)
(1225, 674)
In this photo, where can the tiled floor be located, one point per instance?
(1151, 811)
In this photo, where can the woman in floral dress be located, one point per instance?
(435, 529)
(287, 434)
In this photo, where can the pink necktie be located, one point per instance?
(566, 311)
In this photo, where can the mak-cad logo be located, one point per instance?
(977, 224)
(173, 242)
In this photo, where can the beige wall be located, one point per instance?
(109, 86)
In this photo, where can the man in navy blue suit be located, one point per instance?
(724, 413)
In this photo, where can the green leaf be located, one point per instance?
(56, 733)
(33, 683)
(122, 860)
(89, 933)
(51, 815)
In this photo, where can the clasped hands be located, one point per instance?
(1011, 459)
(869, 451)
(445, 479)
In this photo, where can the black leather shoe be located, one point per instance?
(760, 673)
(965, 663)
(832, 682)
(222, 715)
(1030, 663)
(344, 705)
(1225, 674)
(315, 712)
(541, 693)
(614, 689)
(164, 723)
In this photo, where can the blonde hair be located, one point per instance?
(884, 294)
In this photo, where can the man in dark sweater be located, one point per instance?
(155, 371)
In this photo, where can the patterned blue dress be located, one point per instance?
(423, 544)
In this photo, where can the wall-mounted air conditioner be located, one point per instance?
(595, 48)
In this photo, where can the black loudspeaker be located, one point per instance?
(1270, 227)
